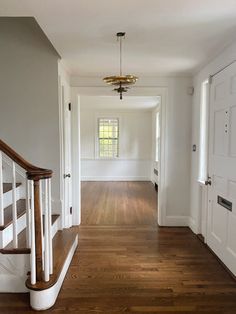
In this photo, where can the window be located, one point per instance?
(203, 145)
(157, 136)
(108, 137)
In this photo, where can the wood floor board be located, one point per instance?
(118, 203)
(134, 267)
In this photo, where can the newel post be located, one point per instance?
(38, 231)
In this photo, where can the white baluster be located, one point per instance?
(41, 214)
(50, 227)
(32, 255)
(1, 193)
(46, 233)
(28, 216)
(14, 206)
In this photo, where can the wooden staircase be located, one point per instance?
(35, 249)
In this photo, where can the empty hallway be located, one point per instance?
(118, 157)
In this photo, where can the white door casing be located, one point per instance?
(66, 155)
(162, 92)
(221, 225)
(67, 161)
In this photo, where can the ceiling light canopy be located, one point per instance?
(121, 82)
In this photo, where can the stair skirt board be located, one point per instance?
(44, 299)
(14, 269)
(6, 235)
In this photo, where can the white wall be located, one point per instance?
(134, 161)
(225, 58)
(29, 111)
(178, 135)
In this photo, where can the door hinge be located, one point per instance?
(69, 106)
(71, 210)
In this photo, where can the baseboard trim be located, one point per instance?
(176, 221)
(193, 226)
(128, 178)
(201, 237)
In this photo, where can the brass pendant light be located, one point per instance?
(121, 82)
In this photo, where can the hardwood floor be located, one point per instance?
(118, 203)
(139, 269)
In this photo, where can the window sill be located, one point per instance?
(107, 158)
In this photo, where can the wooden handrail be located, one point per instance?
(32, 172)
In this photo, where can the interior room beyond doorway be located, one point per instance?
(119, 162)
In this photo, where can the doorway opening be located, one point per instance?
(119, 150)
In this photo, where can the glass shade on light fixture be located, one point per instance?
(124, 80)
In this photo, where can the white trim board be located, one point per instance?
(162, 92)
(115, 178)
(192, 225)
(116, 159)
(177, 221)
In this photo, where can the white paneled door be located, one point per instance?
(221, 226)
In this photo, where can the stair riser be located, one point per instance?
(56, 226)
(6, 235)
(7, 197)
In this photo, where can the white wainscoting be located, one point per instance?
(115, 170)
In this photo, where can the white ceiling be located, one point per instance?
(163, 36)
(113, 102)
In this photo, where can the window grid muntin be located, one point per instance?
(108, 132)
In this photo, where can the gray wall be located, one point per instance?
(29, 110)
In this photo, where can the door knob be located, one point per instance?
(208, 181)
(67, 175)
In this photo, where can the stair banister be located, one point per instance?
(39, 258)
(32, 172)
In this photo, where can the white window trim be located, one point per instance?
(96, 128)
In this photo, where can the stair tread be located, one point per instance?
(22, 243)
(21, 209)
(62, 244)
(8, 187)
